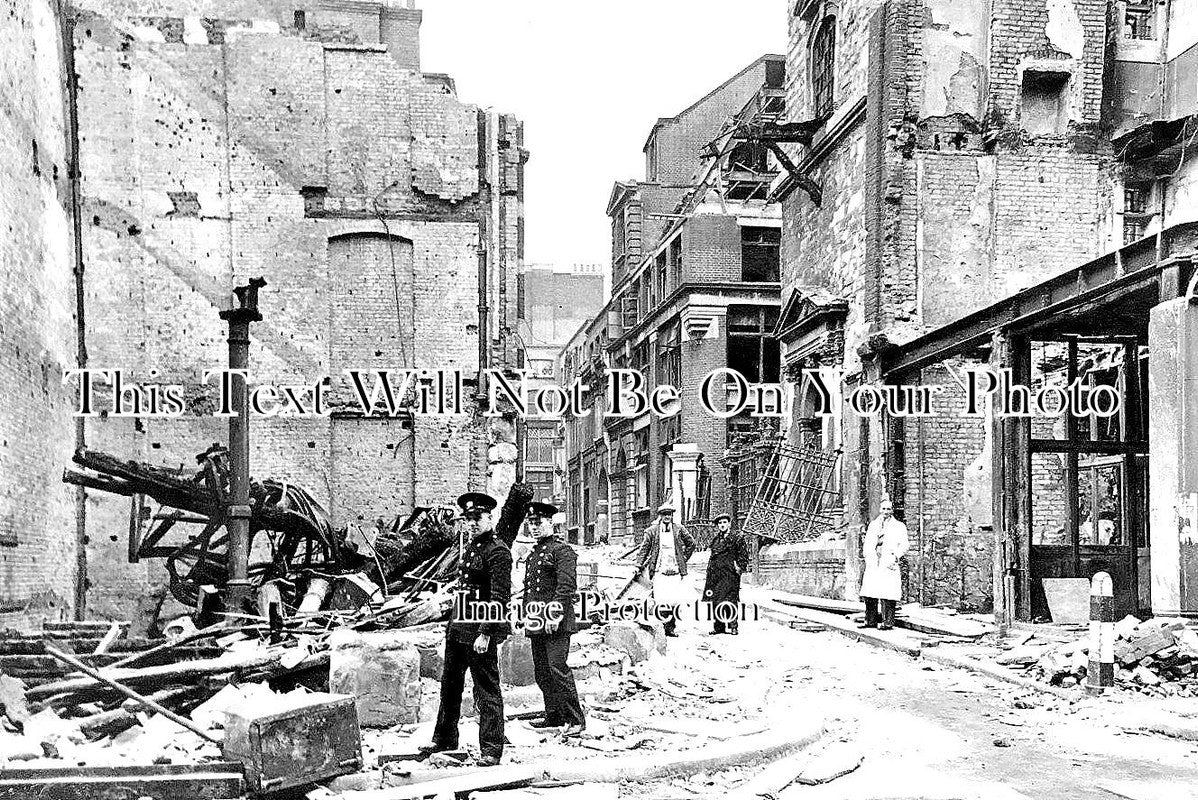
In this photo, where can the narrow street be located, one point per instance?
(926, 731)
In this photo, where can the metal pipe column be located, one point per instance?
(237, 514)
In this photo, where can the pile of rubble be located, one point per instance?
(1157, 657)
(299, 561)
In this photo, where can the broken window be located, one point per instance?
(300, 20)
(538, 444)
(752, 349)
(675, 261)
(651, 159)
(641, 468)
(1042, 106)
(1133, 230)
(1135, 199)
(618, 235)
(628, 309)
(640, 358)
(823, 58)
(760, 250)
(1139, 20)
(669, 356)
(1137, 211)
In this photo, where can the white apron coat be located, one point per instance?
(671, 589)
(885, 543)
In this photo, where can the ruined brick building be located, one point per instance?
(217, 142)
(695, 288)
(986, 175)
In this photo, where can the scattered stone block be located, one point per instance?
(1145, 677)
(1021, 656)
(631, 639)
(382, 671)
(515, 662)
(12, 700)
(1144, 643)
(1126, 627)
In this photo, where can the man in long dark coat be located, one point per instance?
(550, 583)
(728, 561)
(478, 625)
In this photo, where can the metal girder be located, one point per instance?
(1113, 275)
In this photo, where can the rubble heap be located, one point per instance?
(1156, 657)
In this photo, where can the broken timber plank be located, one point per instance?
(923, 620)
(901, 641)
(145, 701)
(1141, 790)
(483, 779)
(212, 781)
(818, 603)
(926, 620)
(167, 672)
(111, 636)
(705, 728)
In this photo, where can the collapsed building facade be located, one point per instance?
(188, 147)
(1001, 184)
(695, 288)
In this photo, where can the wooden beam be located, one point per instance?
(212, 781)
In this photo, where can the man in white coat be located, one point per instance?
(885, 543)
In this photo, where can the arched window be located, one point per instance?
(823, 63)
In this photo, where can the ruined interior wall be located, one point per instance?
(948, 500)
(37, 320)
(1069, 36)
(221, 151)
(993, 220)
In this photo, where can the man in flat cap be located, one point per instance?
(721, 590)
(479, 623)
(550, 582)
(661, 564)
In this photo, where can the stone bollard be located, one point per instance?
(1100, 674)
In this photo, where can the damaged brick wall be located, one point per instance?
(37, 320)
(974, 171)
(365, 193)
(947, 501)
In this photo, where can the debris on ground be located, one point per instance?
(1156, 657)
(943, 622)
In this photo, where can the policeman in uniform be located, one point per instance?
(550, 583)
(479, 623)
(728, 561)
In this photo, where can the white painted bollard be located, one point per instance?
(1100, 674)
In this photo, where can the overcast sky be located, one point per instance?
(589, 80)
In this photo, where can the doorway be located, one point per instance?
(1089, 472)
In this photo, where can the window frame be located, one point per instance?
(822, 65)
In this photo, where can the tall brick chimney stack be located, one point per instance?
(399, 29)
